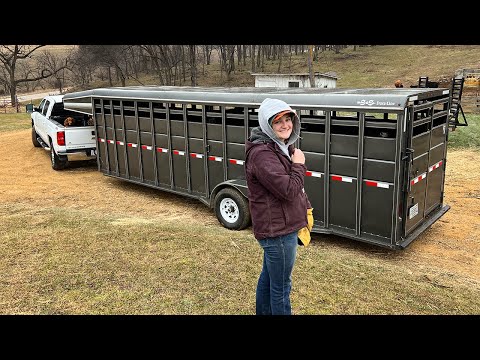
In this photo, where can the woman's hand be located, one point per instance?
(298, 156)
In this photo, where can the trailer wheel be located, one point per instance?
(34, 138)
(58, 162)
(231, 209)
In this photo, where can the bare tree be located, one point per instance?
(10, 57)
(252, 54)
(53, 62)
(280, 56)
(227, 56)
(193, 64)
(310, 66)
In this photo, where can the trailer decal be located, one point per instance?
(418, 178)
(313, 173)
(377, 184)
(342, 178)
(235, 161)
(215, 158)
(435, 166)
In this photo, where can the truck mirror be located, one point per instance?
(29, 108)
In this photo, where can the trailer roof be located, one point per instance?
(373, 98)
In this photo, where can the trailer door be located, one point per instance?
(426, 149)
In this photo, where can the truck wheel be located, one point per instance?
(231, 209)
(34, 138)
(58, 162)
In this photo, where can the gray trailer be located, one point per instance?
(375, 157)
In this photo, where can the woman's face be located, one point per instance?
(283, 127)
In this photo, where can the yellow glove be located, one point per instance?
(304, 233)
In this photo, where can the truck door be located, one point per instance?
(36, 116)
(43, 120)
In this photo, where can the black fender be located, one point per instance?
(238, 184)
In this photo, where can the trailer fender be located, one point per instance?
(240, 185)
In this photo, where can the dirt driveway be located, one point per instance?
(450, 247)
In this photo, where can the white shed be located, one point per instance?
(328, 80)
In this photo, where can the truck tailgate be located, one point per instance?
(80, 138)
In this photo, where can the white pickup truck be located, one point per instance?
(65, 143)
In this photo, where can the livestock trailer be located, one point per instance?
(375, 157)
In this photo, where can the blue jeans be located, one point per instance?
(275, 281)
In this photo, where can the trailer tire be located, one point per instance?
(58, 162)
(34, 138)
(231, 209)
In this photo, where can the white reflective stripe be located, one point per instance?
(110, 141)
(235, 161)
(101, 140)
(341, 178)
(120, 143)
(178, 152)
(377, 184)
(435, 166)
(215, 158)
(146, 147)
(418, 178)
(313, 173)
(132, 145)
(163, 150)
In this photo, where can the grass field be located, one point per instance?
(61, 254)
(78, 242)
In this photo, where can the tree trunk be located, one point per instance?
(310, 66)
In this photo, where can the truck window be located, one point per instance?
(45, 107)
(41, 105)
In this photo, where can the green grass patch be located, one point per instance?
(13, 122)
(466, 136)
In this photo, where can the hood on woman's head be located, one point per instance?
(270, 109)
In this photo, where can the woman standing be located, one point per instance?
(278, 203)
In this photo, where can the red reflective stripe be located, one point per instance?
(308, 173)
(371, 183)
(336, 178)
(176, 152)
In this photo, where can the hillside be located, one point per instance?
(373, 66)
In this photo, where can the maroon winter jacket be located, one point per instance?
(278, 202)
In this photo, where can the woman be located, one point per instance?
(278, 203)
